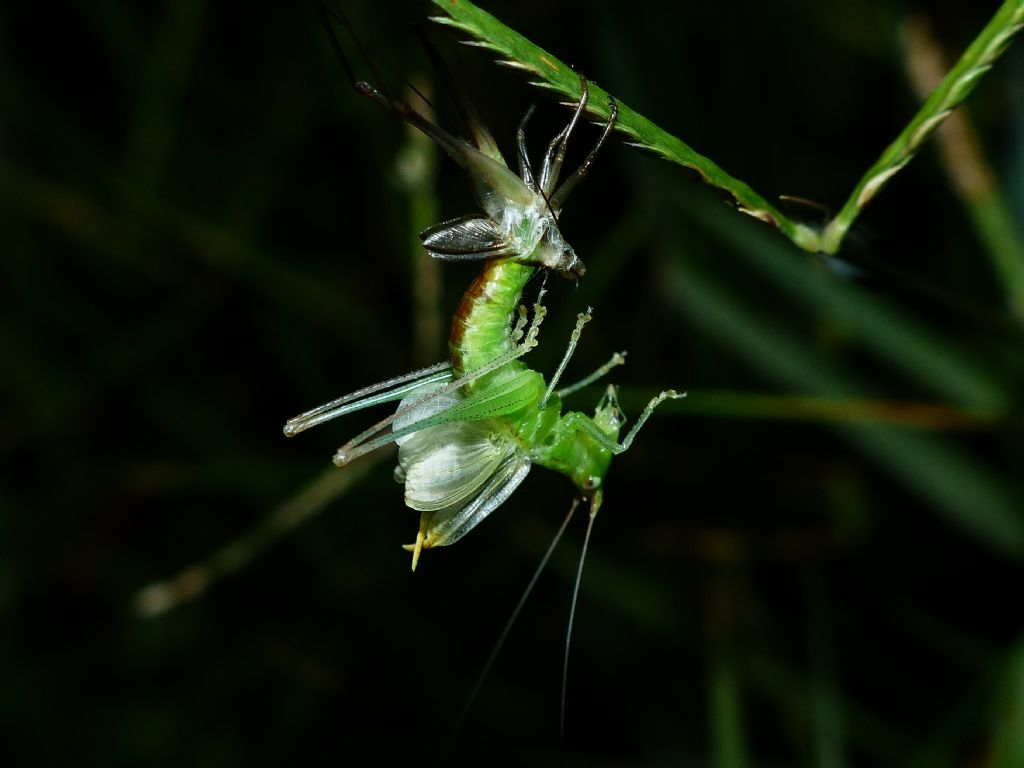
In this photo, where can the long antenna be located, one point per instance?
(512, 620)
(595, 503)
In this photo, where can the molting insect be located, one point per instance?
(469, 429)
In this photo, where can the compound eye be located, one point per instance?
(591, 484)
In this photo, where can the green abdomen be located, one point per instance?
(481, 326)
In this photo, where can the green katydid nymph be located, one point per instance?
(468, 430)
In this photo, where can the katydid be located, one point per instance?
(469, 430)
(467, 442)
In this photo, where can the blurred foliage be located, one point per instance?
(816, 559)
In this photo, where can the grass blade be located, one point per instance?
(547, 71)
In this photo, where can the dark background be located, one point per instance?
(205, 233)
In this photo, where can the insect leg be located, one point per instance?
(586, 424)
(581, 319)
(648, 410)
(365, 441)
(382, 392)
(519, 329)
(525, 171)
(617, 359)
(472, 125)
(556, 149)
(326, 14)
(458, 150)
(558, 199)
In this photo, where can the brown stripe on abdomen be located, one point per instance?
(480, 328)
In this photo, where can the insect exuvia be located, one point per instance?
(469, 429)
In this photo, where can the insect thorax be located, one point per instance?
(532, 231)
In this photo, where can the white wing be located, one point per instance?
(456, 473)
(446, 526)
(446, 464)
